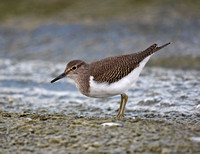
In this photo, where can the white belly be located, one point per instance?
(101, 90)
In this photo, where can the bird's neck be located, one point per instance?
(82, 81)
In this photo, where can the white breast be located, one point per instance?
(101, 90)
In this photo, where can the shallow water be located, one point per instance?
(52, 41)
(160, 93)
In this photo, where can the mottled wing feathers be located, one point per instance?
(112, 69)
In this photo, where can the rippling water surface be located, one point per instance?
(25, 86)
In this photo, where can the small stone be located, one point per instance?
(111, 124)
(96, 144)
(10, 100)
(54, 140)
(165, 151)
(42, 145)
(63, 143)
(28, 119)
(38, 132)
(31, 130)
(198, 106)
(92, 125)
(155, 138)
(86, 146)
(77, 122)
(195, 139)
(91, 149)
(75, 145)
(43, 118)
(36, 116)
(73, 135)
(6, 115)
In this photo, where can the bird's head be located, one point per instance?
(73, 70)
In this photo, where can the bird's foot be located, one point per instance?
(120, 115)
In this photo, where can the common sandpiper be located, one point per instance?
(110, 76)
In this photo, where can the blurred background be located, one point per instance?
(61, 30)
(39, 37)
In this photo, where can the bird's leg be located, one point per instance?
(119, 110)
(124, 99)
(124, 104)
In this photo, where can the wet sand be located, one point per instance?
(61, 133)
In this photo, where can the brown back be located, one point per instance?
(112, 69)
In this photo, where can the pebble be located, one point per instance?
(111, 124)
(195, 139)
(91, 149)
(165, 151)
(42, 145)
(198, 106)
(28, 118)
(96, 144)
(10, 100)
(54, 140)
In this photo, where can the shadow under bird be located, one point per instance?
(110, 76)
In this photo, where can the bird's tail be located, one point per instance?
(153, 48)
(158, 48)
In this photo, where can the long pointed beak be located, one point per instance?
(59, 77)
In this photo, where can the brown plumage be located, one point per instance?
(112, 69)
(109, 70)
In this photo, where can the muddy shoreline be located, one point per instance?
(37, 132)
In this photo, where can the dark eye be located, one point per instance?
(74, 67)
